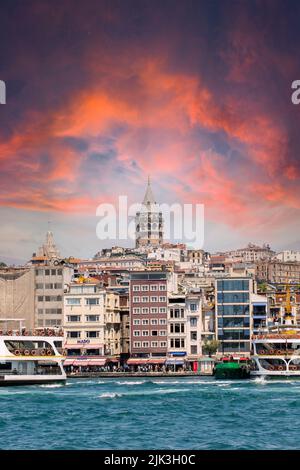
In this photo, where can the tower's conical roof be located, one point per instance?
(149, 198)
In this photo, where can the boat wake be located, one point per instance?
(145, 393)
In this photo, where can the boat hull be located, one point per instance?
(6, 380)
(224, 371)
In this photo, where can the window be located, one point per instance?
(145, 299)
(162, 333)
(194, 349)
(163, 344)
(154, 310)
(73, 334)
(193, 307)
(154, 333)
(136, 288)
(154, 344)
(92, 334)
(136, 322)
(230, 310)
(193, 335)
(145, 344)
(73, 301)
(47, 272)
(153, 287)
(162, 287)
(59, 272)
(145, 310)
(162, 309)
(154, 321)
(145, 322)
(154, 299)
(233, 285)
(92, 318)
(163, 299)
(93, 301)
(136, 299)
(177, 328)
(193, 321)
(136, 310)
(145, 333)
(39, 286)
(162, 321)
(231, 297)
(137, 344)
(40, 298)
(137, 333)
(73, 318)
(145, 288)
(40, 311)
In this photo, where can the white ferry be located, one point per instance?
(31, 357)
(277, 352)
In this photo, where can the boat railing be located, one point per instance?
(278, 352)
(36, 332)
(45, 352)
(276, 336)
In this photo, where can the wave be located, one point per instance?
(110, 395)
(144, 393)
(125, 382)
(51, 385)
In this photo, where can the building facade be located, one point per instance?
(233, 315)
(148, 301)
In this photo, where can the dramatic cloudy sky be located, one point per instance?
(102, 93)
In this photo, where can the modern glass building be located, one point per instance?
(233, 315)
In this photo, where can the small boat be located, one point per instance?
(230, 368)
(31, 357)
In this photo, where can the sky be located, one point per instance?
(101, 94)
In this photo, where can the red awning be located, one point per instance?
(68, 362)
(97, 362)
(82, 362)
(137, 360)
(156, 360)
(143, 360)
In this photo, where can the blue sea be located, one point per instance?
(157, 413)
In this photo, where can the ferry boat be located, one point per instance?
(31, 357)
(277, 352)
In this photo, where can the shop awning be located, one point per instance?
(157, 360)
(68, 362)
(148, 360)
(81, 362)
(137, 360)
(174, 362)
(97, 362)
(73, 346)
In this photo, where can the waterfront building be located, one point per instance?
(148, 301)
(84, 323)
(112, 324)
(149, 222)
(185, 327)
(233, 314)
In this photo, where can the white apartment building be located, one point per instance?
(184, 329)
(288, 255)
(84, 322)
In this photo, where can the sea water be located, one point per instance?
(152, 413)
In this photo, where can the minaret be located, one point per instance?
(149, 221)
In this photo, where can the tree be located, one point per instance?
(210, 346)
(3, 265)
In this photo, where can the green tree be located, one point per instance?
(210, 346)
(3, 265)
